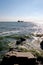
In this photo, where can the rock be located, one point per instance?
(20, 21)
(41, 45)
(20, 41)
(20, 58)
(11, 49)
(40, 60)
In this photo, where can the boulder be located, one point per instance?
(19, 58)
(20, 41)
(41, 45)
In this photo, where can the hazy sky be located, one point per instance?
(27, 10)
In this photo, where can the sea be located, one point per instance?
(22, 28)
(9, 28)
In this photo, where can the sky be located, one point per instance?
(27, 10)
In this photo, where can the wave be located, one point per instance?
(9, 32)
(24, 28)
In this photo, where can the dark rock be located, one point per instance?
(18, 60)
(21, 61)
(11, 49)
(41, 45)
(20, 21)
(20, 41)
(40, 60)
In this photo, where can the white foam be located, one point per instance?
(9, 32)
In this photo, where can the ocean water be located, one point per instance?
(10, 28)
(20, 28)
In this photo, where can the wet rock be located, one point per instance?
(40, 60)
(41, 45)
(20, 41)
(11, 49)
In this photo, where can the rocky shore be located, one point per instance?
(21, 50)
(21, 58)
